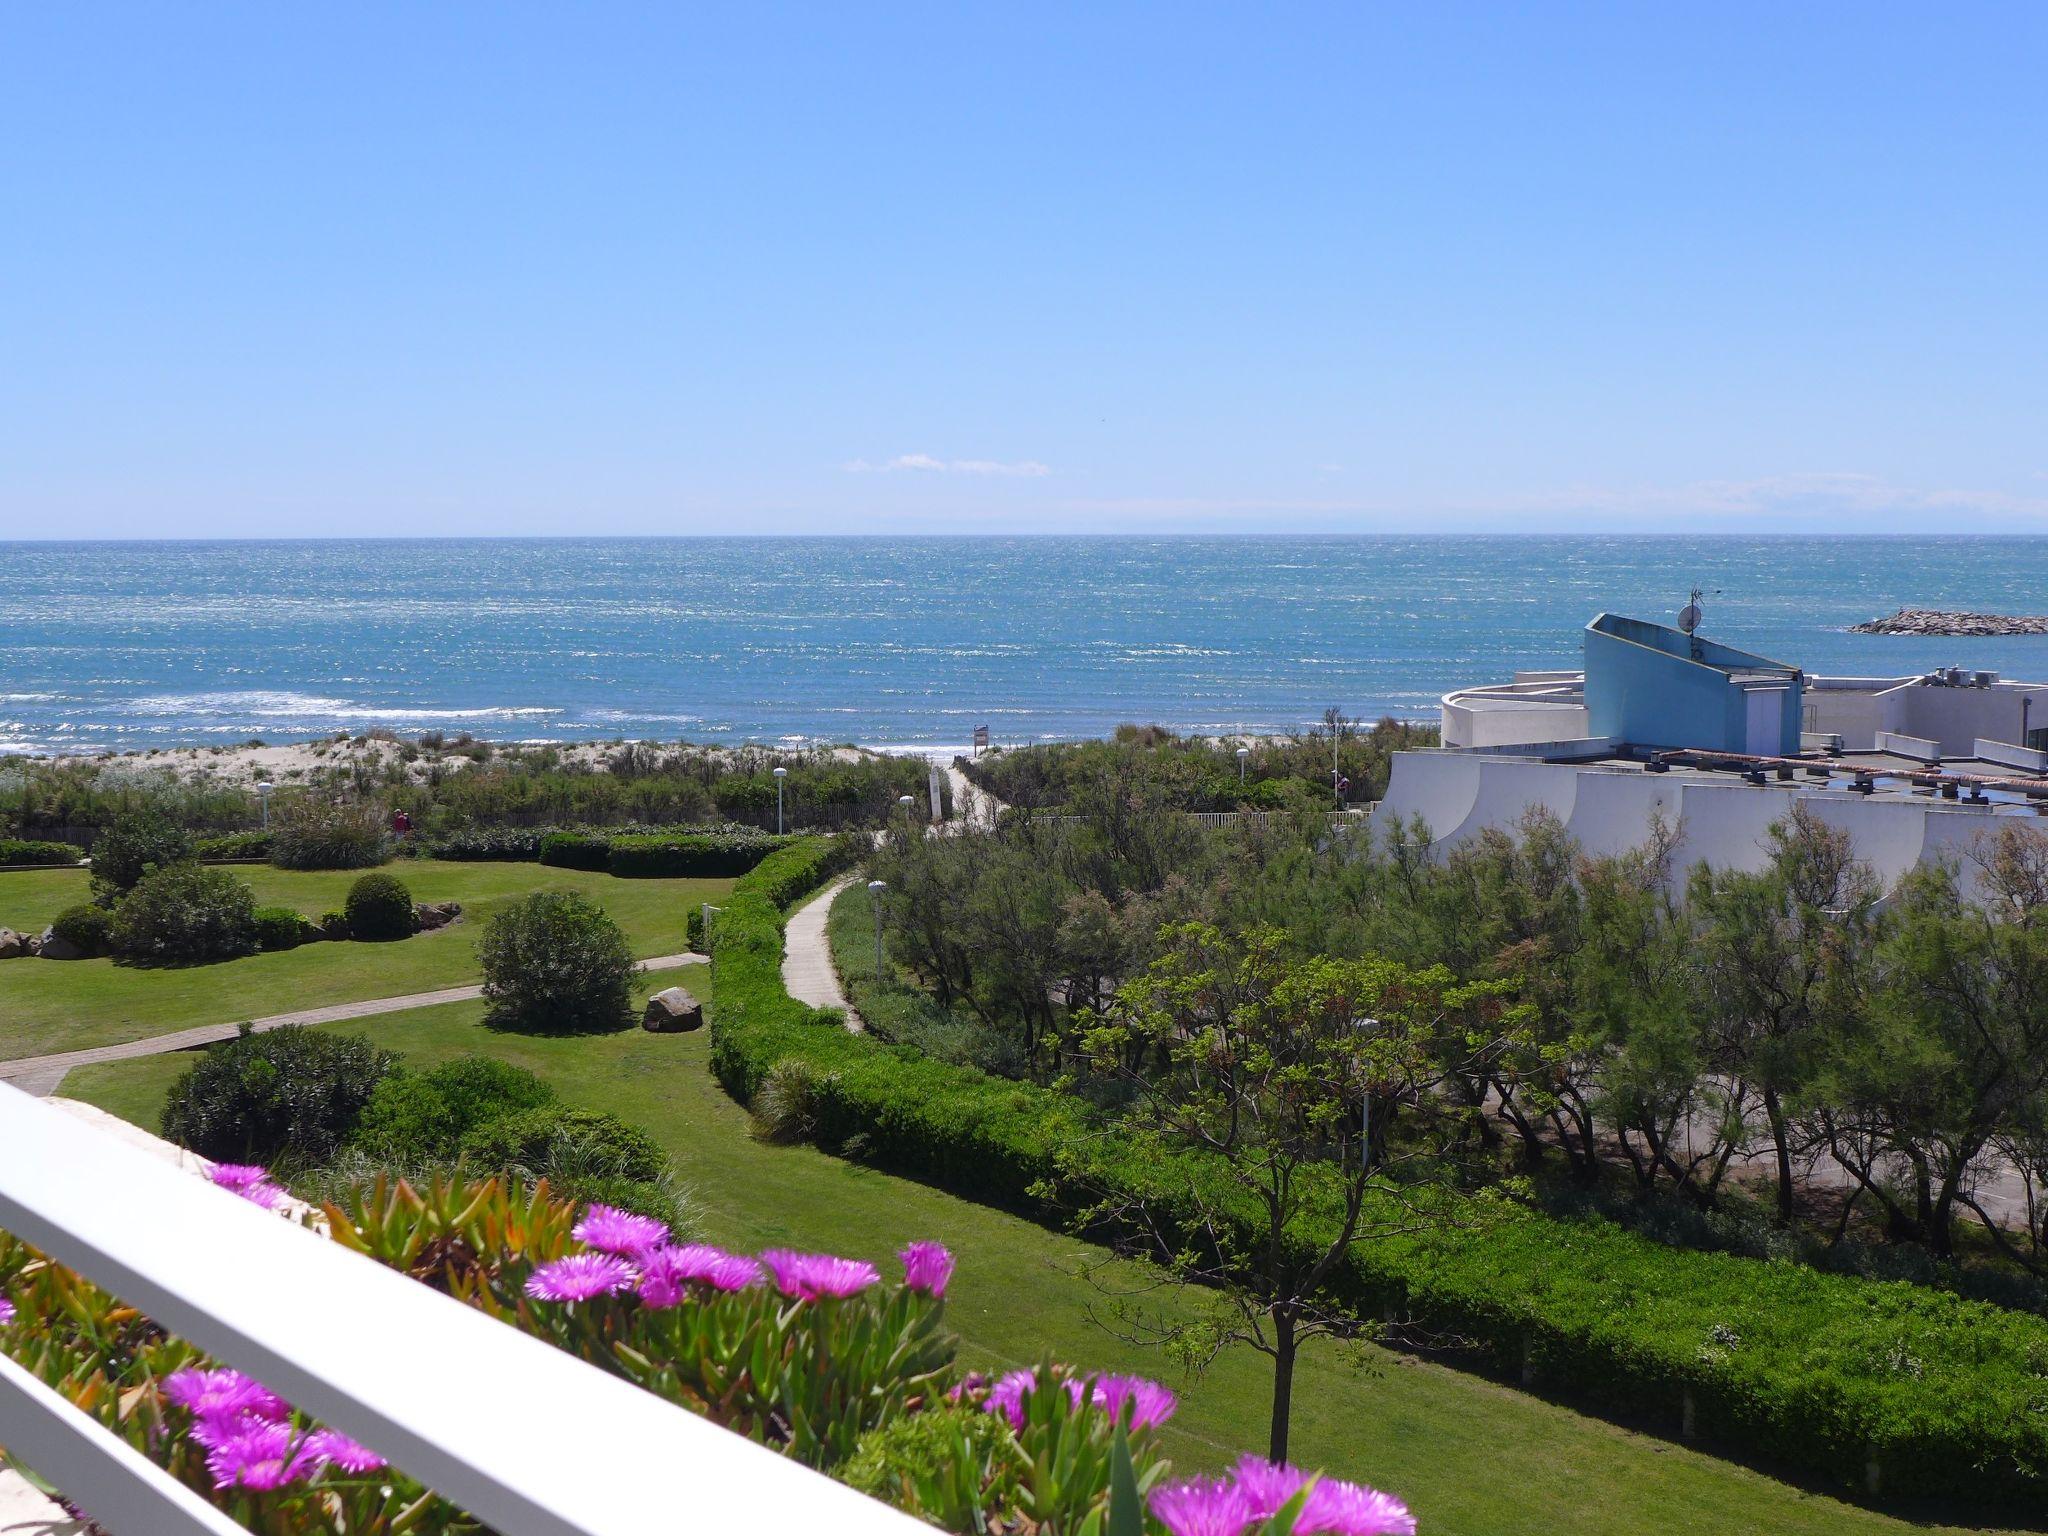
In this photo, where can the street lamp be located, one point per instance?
(263, 797)
(1242, 754)
(875, 889)
(906, 802)
(780, 775)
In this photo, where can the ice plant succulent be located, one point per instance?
(581, 1277)
(815, 1276)
(1202, 1506)
(335, 1449)
(1007, 1395)
(1333, 1507)
(6, 1311)
(262, 1456)
(251, 1181)
(222, 1396)
(927, 1267)
(666, 1273)
(624, 1233)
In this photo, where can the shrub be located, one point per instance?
(279, 928)
(131, 848)
(16, 850)
(554, 963)
(311, 834)
(575, 850)
(421, 1117)
(380, 907)
(705, 855)
(186, 913)
(289, 1094)
(484, 843)
(584, 1154)
(786, 1104)
(87, 926)
(232, 845)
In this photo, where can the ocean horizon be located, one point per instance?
(907, 641)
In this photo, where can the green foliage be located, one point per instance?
(1811, 1370)
(941, 1465)
(785, 1107)
(703, 854)
(551, 1137)
(555, 963)
(133, 846)
(280, 928)
(311, 833)
(185, 914)
(16, 850)
(416, 1118)
(576, 850)
(379, 907)
(288, 1095)
(88, 926)
(232, 845)
(513, 844)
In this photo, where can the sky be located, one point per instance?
(297, 270)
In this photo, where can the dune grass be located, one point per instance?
(50, 1006)
(1474, 1457)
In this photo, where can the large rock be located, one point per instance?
(50, 947)
(12, 945)
(672, 1011)
(436, 914)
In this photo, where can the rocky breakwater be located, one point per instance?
(1932, 621)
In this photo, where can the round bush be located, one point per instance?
(419, 1117)
(554, 963)
(87, 926)
(186, 913)
(380, 907)
(289, 1094)
(311, 834)
(132, 847)
(279, 928)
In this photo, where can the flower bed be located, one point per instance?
(813, 1355)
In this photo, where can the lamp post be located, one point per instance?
(875, 889)
(1242, 754)
(780, 775)
(906, 802)
(263, 798)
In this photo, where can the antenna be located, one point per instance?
(1689, 615)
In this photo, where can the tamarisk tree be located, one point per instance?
(1282, 1111)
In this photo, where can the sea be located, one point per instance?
(906, 643)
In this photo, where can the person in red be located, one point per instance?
(400, 823)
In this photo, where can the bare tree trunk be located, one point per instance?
(1782, 1146)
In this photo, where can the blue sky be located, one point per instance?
(286, 269)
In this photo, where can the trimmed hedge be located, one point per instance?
(1829, 1374)
(576, 850)
(22, 850)
(632, 852)
(232, 845)
(483, 844)
(700, 854)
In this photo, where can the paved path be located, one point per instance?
(41, 1075)
(807, 968)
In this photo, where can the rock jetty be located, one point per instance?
(1932, 621)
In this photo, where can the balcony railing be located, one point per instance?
(530, 1440)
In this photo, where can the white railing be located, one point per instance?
(527, 1438)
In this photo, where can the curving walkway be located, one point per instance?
(41, 1075)
(807, 969)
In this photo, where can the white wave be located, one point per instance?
(269, 705)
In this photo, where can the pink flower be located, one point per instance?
(620, 1232)
(249, 1180)
(1150, 1402)
(580, 1277)
(1007, 1396)
(263, 1456)
(927, 1267)
(223, 1397)
(1351, 1509)
(665, 1272)
(335, 1449)
(1266, 1485)
(238, 1176)
(814, 1276)
(6, 1311)
(1202, 1506)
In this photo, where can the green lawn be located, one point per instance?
(1475, 1459)
(50, 1006)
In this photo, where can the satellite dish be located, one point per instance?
(1689, 615)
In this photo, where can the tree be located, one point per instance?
(1777, 950)
(130, 849)
(1273, 1098)
(184, 914)
(555, 963)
